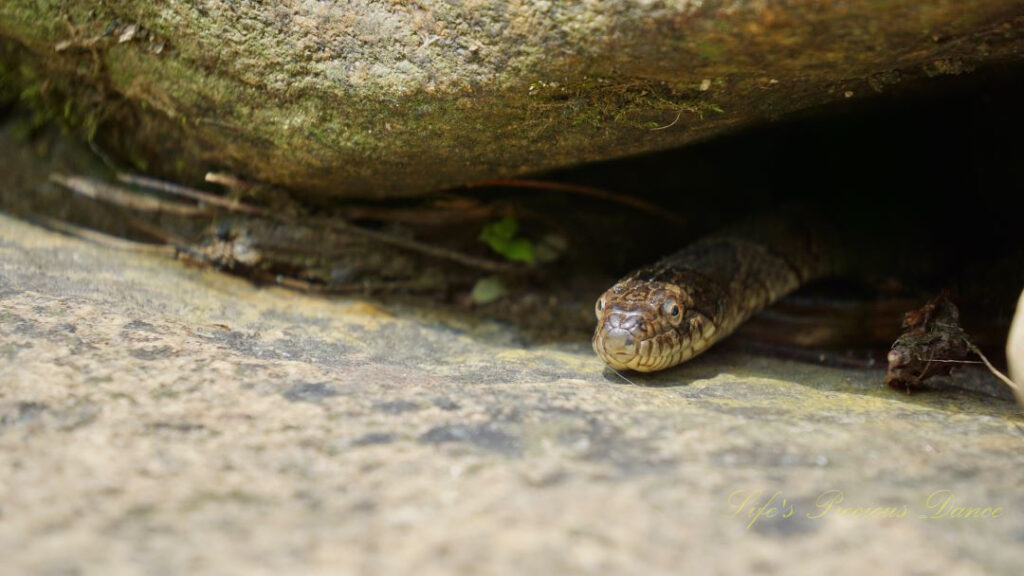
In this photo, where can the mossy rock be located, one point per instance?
(368, 99)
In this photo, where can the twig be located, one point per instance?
(227, 180)
(335, 223)
(350, 288)
(100, 238)
(425, 216)
(102, 191)
(580, 190)
(187, 192)
(428, 249)
(995, 372)
(177, 242)
(669, 125)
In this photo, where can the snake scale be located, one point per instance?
(666, 313)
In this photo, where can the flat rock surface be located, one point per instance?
(161, 419)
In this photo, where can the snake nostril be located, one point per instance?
(631, 321)
(619, 342)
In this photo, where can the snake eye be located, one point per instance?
(600, 305)
(671, 309)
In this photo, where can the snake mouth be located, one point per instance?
(638, 355)
(633, 349)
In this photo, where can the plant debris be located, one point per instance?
(932, 343)
(276, 243)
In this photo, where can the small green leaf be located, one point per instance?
(519, 250)
(501, 237)
(500, 230)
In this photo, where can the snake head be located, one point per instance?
(646, 326)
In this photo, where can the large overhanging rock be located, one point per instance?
(377, 99)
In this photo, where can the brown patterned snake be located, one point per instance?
(668, 312)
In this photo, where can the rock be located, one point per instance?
(159, 418)
(381, 99)
(1015, 348)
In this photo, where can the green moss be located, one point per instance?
(710, 51)
(639, 103)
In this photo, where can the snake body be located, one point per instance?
(666, 313)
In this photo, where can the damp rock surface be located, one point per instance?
(159, 418)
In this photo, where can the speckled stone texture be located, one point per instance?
(159, 419)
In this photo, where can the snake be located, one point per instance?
(666, 313)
